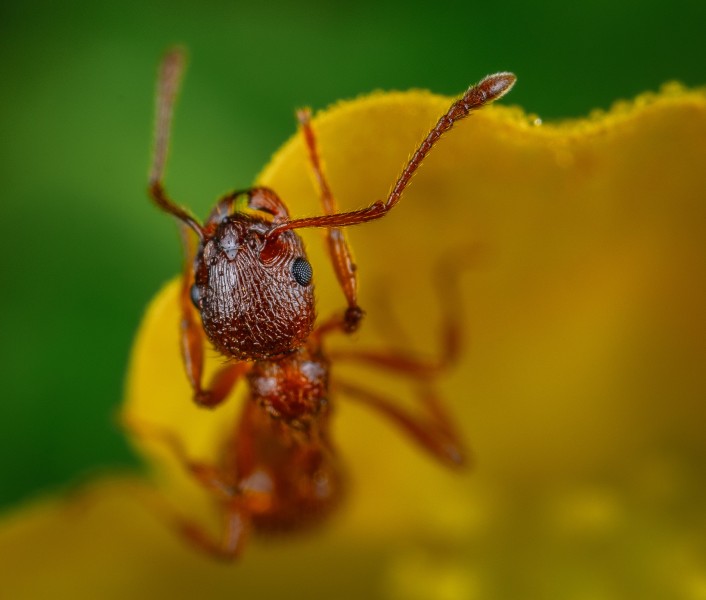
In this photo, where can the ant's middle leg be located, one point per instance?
(434, 429)
(447, 275)
(338, 247)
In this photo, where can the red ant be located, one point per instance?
(251, 283)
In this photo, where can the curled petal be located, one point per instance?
(580, 387)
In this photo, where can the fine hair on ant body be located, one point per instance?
(247, 276)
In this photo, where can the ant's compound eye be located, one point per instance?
(301, 269)
(196, 296)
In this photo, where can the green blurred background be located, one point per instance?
(83, 250)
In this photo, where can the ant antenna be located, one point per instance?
(168, 83)
(486, 91)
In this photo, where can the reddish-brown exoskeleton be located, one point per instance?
(251, 283)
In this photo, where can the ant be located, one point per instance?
(247, 275)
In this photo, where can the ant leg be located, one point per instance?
(407, 363)
(338, 248)
(486, 91)
(234, 532)
(192, 342)
(234, 528)
(434, 431)
(207, 475)
(235, 524)
(447, 273)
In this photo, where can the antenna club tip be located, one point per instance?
(304, 115)
(174, 62)
(176, 52)
(497, 85)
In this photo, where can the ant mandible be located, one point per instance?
(249, 279)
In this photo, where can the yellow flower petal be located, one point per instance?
(106, 545)
(580, 391)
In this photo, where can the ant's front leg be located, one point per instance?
(338, 247)
(192, 341)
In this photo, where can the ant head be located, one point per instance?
(254, 293)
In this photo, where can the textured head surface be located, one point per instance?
(253, 300)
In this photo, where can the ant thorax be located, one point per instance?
(255, 295)
(293, 389)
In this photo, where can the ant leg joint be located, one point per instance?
(206, 399)
(354, 315)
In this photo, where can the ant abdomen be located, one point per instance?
(255, 295)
